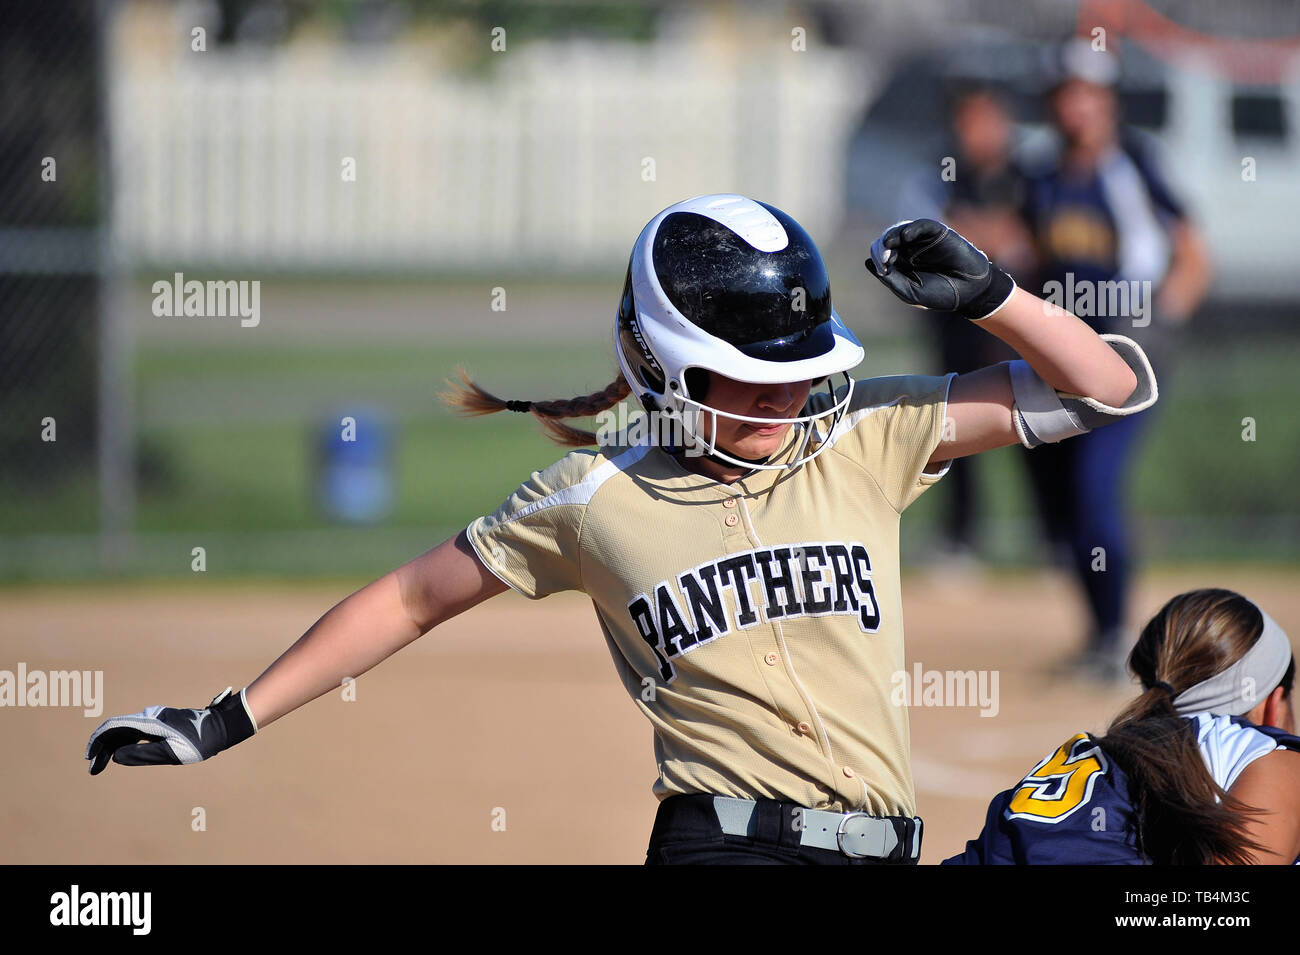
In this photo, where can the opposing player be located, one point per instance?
(1103, 217)
(1203, 767)
(742, 561)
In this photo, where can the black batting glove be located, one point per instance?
(167, 736)
(928, 265)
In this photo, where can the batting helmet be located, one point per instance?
(727, 284)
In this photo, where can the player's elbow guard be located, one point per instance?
(1043, 415)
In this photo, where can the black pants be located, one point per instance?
(687, 832)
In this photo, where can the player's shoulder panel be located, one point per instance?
(875, 394)
(567, 471)
(1231, 743)
(1280, 736)
(577, 476)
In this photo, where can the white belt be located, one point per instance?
(856, 834)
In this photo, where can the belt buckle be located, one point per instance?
(840, 833)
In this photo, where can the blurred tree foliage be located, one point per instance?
(523, 20)
(531, 19)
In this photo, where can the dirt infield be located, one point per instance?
(514, 707)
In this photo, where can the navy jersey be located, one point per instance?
(1109, 225)
(1073, 808)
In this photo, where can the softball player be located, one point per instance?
(743, 568)
(1203, 767)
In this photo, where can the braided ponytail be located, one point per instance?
(1183, 816)
(468, 398)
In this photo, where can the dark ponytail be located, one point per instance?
(1183, 816)
(470, 399)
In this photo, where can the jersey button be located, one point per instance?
(731, 520)
(729, 502)
(771, 659)
(804, 727)
(848, 771)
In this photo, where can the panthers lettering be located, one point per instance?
(714, 598)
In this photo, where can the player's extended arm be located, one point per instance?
(372, 624)
(359, 632)
(1272, 783)
(1062, 350)
(928, 265)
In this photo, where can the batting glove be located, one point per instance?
(166, 736)
(928, 265)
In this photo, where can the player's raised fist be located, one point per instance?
(167, 736)
(928, 265)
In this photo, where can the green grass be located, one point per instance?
(260, 477)
(227, 434)
(226, 437)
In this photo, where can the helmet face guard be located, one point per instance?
(690, 411)
(729, 285)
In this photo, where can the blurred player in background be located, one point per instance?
(1203, 767)
(977, 190)
(1116, 248)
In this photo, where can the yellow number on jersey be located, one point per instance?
(1059, 784)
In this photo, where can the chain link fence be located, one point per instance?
(51, 196)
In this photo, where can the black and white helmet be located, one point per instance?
(727, 284)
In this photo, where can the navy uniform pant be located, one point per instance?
(1080, 487)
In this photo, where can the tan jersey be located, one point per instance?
(757, 624)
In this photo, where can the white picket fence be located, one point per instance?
(554, 161)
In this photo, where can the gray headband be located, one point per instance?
(1242, 686)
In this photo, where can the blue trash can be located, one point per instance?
(354, 469)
